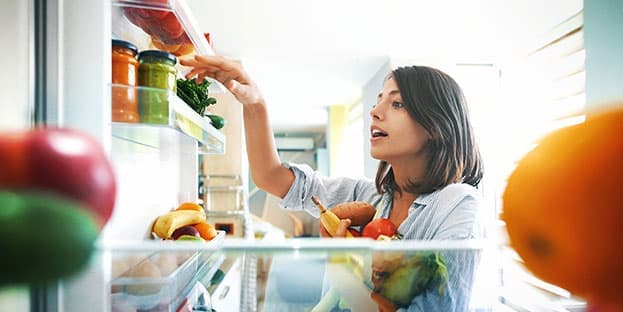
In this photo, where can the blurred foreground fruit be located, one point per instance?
(563, 207)
(43, 237)
(65, 161)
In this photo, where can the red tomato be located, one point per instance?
(64, 161)
(167, 29)
(132, 14)
(378, 227)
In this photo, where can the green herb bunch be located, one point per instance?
(195, 94)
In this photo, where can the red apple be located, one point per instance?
(65, 161)
(185, 230)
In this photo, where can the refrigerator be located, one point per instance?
(57, 72)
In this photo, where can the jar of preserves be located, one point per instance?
(124, 78)
(156, 71)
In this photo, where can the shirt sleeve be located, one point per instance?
(329, 190)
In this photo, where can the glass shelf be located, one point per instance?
(164, 111)
(300, 274)
(165, 25)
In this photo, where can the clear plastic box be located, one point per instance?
(156, 282)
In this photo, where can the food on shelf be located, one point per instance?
(144, 269)
(563, 208)
(189, 206)
(45, 237)
(191, 238)
(378, 227)
(124, 72)
(156, 70)
(195, 94)
(159, 23)
(177, 49)
(166, 224)
(60, 160)
(166, 262)
(206, 230)
(217, 121)
(188, 230)
(188, 219)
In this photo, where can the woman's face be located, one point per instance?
(394, 135)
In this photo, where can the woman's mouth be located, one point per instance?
(377, 134)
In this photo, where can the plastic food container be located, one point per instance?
(160, 281)
(156, 70)
(223, 193)
(124, 72)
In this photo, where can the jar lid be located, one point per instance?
(159, 54)
(125, 44)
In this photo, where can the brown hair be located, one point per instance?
(435, 101)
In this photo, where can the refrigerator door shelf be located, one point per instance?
(164, 25)
(177, 116)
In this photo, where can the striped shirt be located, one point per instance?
(450, 213)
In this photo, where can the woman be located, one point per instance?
(425, 184)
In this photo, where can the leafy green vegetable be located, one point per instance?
(217, 121)
(195, 94)
(426, 270)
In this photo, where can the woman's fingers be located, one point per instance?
(217, 61)
(339, 232)
(323, 232)
(229, 73)
(342, 228)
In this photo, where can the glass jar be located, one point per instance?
(124, 73)
(157, 71)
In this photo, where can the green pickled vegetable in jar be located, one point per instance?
(157, 71)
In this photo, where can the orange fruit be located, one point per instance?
(206, 230)
(189, 206)
(563, 207)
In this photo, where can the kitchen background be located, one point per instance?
(527, 67)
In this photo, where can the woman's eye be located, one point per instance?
(397, 105)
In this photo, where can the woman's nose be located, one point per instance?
(375, 112)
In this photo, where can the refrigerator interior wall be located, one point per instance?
(16, 98)
(16, 79)
(151, 181)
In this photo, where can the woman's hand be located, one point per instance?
(228, 72)
(339, 232)
(350, 213)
